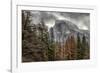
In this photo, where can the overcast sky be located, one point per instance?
(82, 20)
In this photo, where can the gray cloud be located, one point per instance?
(82, 20)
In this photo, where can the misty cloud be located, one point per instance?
(82, 20)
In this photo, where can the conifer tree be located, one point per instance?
(79, 49)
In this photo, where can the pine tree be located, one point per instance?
(43, 38)
(85, 48)
(52, 46)
(25, 35)
(79, 47)
(82, 47)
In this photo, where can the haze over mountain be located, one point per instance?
(62, 29)
(81, 20)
